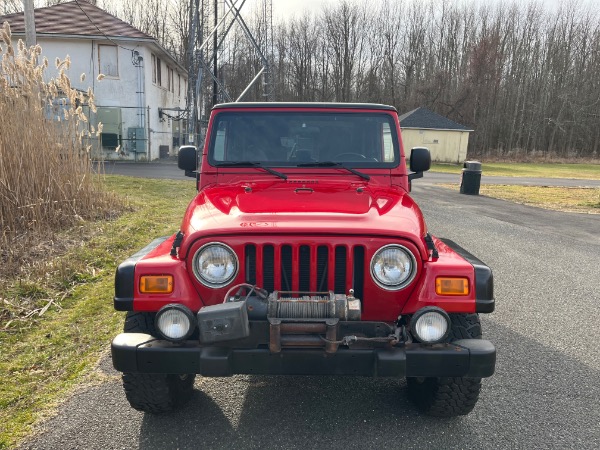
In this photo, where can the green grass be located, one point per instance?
(43, 358)
(537, 170)
(583, 200)
(568, 199)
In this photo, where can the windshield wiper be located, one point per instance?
(334, 164)
(251, 164)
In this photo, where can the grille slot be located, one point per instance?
(286, 268)
(340, 270)
(322, 273)
(359, 271)
(250, 264)
(304, 268)
(268, 268)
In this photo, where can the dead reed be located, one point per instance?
(46, 179)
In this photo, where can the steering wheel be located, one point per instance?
(357, 156)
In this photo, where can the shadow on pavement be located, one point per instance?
(539, 398)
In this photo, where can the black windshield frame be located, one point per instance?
(295, 138)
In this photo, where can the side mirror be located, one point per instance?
(420, 159)
(187, 160)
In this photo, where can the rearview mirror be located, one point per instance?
(187, 160)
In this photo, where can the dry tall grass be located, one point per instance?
(46, 178)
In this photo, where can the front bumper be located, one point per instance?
(137, 352)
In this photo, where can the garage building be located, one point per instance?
(446, 140)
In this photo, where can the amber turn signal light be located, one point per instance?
(451, 286)
(156, 284)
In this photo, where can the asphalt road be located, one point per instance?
(545, 393)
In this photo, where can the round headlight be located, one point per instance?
(175, 322)
(393, 267)
(215, 265)
(430, 325)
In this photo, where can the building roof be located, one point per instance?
(81, 20)
(426, 119)
(77, 18)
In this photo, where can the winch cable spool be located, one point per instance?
(313, 305)
(304, 307)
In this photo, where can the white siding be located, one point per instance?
(445, 145)
(121, 89)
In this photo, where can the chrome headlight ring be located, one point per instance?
(215, 265)
(430, 325)
(393, 267)
(175, 322)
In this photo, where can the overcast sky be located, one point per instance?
(287, 8)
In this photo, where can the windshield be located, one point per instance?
(290, 139)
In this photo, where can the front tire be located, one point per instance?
(157, 393)
(449, 397)
(150, 392)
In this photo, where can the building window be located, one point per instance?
(110, 141)
(172, 82)
(111, 120)
(154, 69)
(158, 72)
(108, 60)
(178, 85)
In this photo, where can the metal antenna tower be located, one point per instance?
(267, 33)
(206, 48)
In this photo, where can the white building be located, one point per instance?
(142, 96)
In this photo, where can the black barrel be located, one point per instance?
(470, 180)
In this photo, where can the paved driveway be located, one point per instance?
(545, 393)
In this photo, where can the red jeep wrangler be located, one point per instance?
(303, 253)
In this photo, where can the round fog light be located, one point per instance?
(430, 325)
(175, 322)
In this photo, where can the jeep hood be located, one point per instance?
(290, 207)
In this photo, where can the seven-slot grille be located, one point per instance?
(306, 267)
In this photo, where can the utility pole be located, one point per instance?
(30, 39)
(192, 101)
(215, 51)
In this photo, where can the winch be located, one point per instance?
(230, 320)
(313, 305)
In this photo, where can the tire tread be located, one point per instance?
(449, 397)
(157, 393)
(151, 392)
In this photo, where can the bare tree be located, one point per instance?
(525, 78)
(344, 30)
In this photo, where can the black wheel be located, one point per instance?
(154, 392)
(157, 393)
(139, 322)
(449, 397)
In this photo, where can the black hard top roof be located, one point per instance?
(324, 105)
